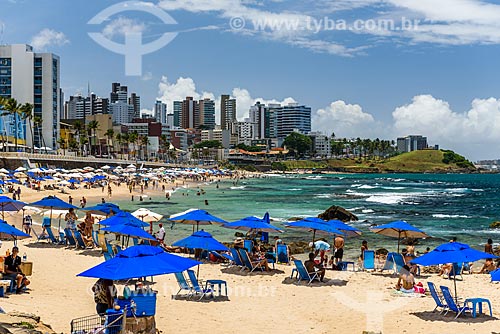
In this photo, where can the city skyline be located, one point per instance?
(439, 80)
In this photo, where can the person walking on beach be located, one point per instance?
(109, 190)
(70, 200)
(364, 247)
(160, 235)
(104, 294)
(83, 202)
(28, 222)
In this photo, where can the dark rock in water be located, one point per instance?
(495, 225)
(337, 212)
(294, 219)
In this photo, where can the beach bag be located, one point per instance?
(419, 288)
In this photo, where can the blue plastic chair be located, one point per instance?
(183, 285)
(368, 259)
(452, 306)
(69, 237)
(303, 274)
(456, 271)
(249, 264)
(236, 257)
(248, 245)
(439, 301)
(264, 238)
(79, 239)
(282, 254)
(197, 289)
(52, 238)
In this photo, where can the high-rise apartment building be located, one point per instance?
(177, 113)
(227, 111)
(135, 101)
(292, 117)
(207, 113)
(34, 78)
(160, 112)
(190, 114)
(411, 143)
(118, 93)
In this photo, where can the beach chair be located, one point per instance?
(69, 237)
(135, 241)
(282, 255)
(95, 238)
(236, 257)
(456, 270)
(52, 238)
(264, 238)
(110, 250)
(437, 298)
(303, 274)
(218, 256)
(183, 285)
(79, 240)
(107, 256)
(248, 245)
(452, 306)
(368, 260)
(398, 261)
(250, 265)
(196, 288)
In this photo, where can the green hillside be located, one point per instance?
(425, 161)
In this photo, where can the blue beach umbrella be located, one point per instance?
(314, 224)
(197, 217)
(8, 232)
(253, 223)
(8, 204)
(103, 209)
(123, 218)
(452, 252)
(399, 229)
(201, 240)
(53, 202)
(140, 261)
(129, 230)
(495, 275)
(348, 230)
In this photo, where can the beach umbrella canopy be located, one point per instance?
(103, 208)
(140, 261)
(315, 224)
(451, 252)
(53, 202)
(20, 169)
(8, 204)
(253, 223)
(398, 229)
(201, 240)
(9, 232)
(129, 230)
(197, 217)
(148, 216)
(123, 218)
(348, 230)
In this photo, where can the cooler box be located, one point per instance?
(145, 304)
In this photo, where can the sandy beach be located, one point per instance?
(348, 302)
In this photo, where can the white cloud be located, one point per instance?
(122, 26)
(244, 101)
(170, 92)
(472, 133)
(48, 37)
(147, 76)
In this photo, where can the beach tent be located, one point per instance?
(8, 204)
(398, 229)
(197, 217)
(451, 252)
(253, 223)
(140, 261)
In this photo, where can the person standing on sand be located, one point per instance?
(70, 200)
(339, 249)
(104, 294)
(488, 248)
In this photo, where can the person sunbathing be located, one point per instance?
(488, 267)
(446, 269)
(313, 267)
(259, 256)
(406, 280)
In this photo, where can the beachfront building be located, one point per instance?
(247, 131)
(160, 112)
(118, 93)
(223, 136)
(292, 118)
(80, 107)
(31, 77)
(207, 113)
(122, 112)
(189, 114)
(411, 143)
(321, 146)
(177, 113)
(135, 101)
(227, 111)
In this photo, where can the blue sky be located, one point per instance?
(438, 77)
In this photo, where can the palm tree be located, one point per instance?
(144, 140)
(37, 122)
(110, 133)
(93, 126)
(164, 146)
(3, 100)
(62, 144)
(12, 107)
(27, 115)
(133, 137)
(73, 145)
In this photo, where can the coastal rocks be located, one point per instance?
(23, 323)
(337, 212)
(298, 247)
(495, 224)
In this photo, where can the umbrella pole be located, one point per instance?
(399, 238)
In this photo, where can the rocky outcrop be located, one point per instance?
(337, 212)
(23, 323)
(495, 224)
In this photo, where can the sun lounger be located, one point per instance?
(52, 238)
(69, 237)
(250, 265)
(368, 259)
(440, 303)
(452, 306)
(236, 257)
(79, 240)
(197, 289)
(183, 285)
(303, 274)
(282, 255)
(248, 245)
(394, 262)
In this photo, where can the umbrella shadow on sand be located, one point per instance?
(315, 283)
(450, 317)
(206, 299)
(237, 271)
(44, 245)
(96, 252)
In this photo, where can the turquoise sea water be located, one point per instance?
(443, 205)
